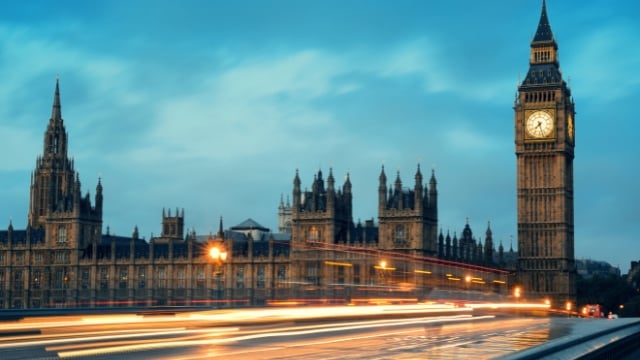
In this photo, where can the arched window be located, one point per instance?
(400, 235)
(62, 234)
(314, 233)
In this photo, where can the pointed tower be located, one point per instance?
(407, 220)
(172, 226)
(488, 246)
(323, 214)
(544, 139)
(56, 204)
(284, 216)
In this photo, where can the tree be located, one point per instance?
(610, 291)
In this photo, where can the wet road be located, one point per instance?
(281, 334)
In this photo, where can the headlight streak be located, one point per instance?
(204, 328)
(266, 334)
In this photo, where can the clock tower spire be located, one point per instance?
(544, 139)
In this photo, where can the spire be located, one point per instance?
(220, 231)
(398, 182)
(383, 178)
(56, 114)
(543, 33)
(433, 182)
(347, 184)
(296, 181)
(330, 180)
(418, 176)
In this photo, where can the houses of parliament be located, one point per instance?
(64, 258)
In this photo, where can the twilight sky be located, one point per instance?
(211, 106)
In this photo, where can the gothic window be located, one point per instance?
(36, 279)
(240, 278)
(123, 278)
(162, 277)
(60, 279)
(314, 233)
(19, 257)
(399, 236)
(182, 282)
(62, 257)
(261, 278)
(313, 274)
(85, 279)
(62, 234)
(200, 280)
(282, 275)
(142, 277)
(104, 278)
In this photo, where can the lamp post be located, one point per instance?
(218, 255)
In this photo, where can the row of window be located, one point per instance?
(61, 278)
(58, 257)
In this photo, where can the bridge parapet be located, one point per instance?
(594, 339)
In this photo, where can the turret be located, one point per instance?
(331, 192)
(398, 191)
(382, 191)
(488, 246)
(433, 194)
(418, 190)
(296, 192)
(99, 197)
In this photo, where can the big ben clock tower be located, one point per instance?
(544, 138)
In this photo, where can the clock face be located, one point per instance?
(539, 124)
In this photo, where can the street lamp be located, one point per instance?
(218, 255)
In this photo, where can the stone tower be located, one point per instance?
(284, 216)
(323, 214)
(56, 203)
(173, 226)
(544, 139)
(408, 218)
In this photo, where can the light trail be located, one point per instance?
(287, 332)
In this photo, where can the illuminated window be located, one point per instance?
(142, 278)
(36, 279)
(314, 233)
(123, 278)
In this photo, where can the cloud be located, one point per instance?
(603, 59)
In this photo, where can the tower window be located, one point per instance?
(314, 233)
(399, 236)
(62, 234)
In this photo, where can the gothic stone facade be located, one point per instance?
(544, 138)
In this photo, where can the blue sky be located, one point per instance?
(211, 106)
